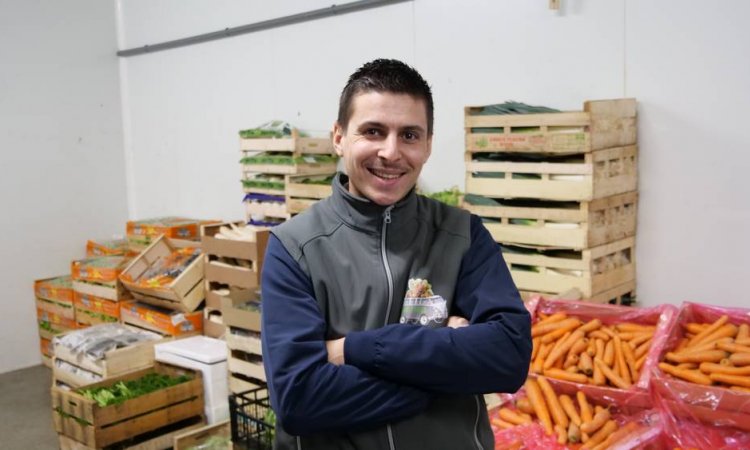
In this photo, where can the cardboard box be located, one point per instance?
(102, 269)
(111, 247)
(160, 320)
(183, 293)
(57, 289)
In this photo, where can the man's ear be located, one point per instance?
(338, 135)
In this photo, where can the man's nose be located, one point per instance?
(390, 150)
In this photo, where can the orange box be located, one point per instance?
(62, 309)
(55, 289)
(45, 345)
(160, 320)
(112, 247)
(103, 269)
(91, 310)
(51, 324)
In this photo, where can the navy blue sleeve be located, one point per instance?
(308, 394)
(492, 354)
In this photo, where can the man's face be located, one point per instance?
(384, 146)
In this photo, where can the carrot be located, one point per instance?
(602, 434)
(570, 409)
(613, 377)
(598, 378)
(591, 325)
(733, 348)
(556, 317)
(572, 369)
(694, 327)
(709, 368)
(559, 351)
(642, 349)
(571, 361)
(560, 374)
(534, 347)
(579, 346)
(591, 348)
(609, 353)
(501, 423)
(599, 348)
(557, 334)
(708, 330)
(641, 338)
(634, 327)
(616, 436)
(630, 361)
(524, 405)
(562, 434)
(728, 330)
(536, 366)
(689, 366)
(681, 345)
(735, 380)
(597, 422)
(743, 332)
(598, 334)
(620, 358)
(558, 414)
(704, 346)
(639, 362)
(536, 398)
(513, 417)
(697, 357)
(740, 359)
(608, 331)
(585, 407)
(693, 376)
(740, 389)
(539, 329)
(574, 433)
(586, 364)
(745, 341)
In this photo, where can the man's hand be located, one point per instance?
(453, 322)
(335, 349)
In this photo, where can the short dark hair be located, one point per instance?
(385, 75)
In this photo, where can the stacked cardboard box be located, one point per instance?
(558, 191)
(269, 162)
(55, 311)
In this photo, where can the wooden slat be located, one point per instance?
(561, 119)
(530, 168)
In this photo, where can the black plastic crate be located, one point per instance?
(253, 420)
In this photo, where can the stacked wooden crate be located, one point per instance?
(270, 164)
(233, 256)
(55, 312)
(559, 192)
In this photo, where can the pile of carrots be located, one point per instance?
(575, 422)
(715, 353)
(567, 348)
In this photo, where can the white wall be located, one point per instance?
(61, 151)
(684, 60)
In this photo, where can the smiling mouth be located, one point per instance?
(386, 175)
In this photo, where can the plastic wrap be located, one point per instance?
(96, 341)
(662, 316)
(693, 403)
(643, 425)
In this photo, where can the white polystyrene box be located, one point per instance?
(208, 355)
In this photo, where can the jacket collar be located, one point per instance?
(362, 213)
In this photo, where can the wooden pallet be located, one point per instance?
(601, 124)
(594, 175)
(83, 420)
(160, 439)
(592, 271)
(574, 225)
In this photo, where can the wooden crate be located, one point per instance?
(194, 438)
(623, 295)
(239, 339)
(240, 383)
(160, 320)
(296, 168)
(594, 175)
(56, 289)
(601, 124)
(184, 294)
(592, 271)
(247, 364)
(236, 316)
(295, 144)
(56, 308)
(574, 225)
(114, 363)
(300, 196)
(159, 439)
(244, 253)
(85, 421)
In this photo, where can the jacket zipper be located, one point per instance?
(386, 221)
(476, 424)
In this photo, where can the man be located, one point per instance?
(352, 361)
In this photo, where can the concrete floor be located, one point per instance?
(26, 411)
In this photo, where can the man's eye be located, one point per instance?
(411, 136)
(372, 132)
